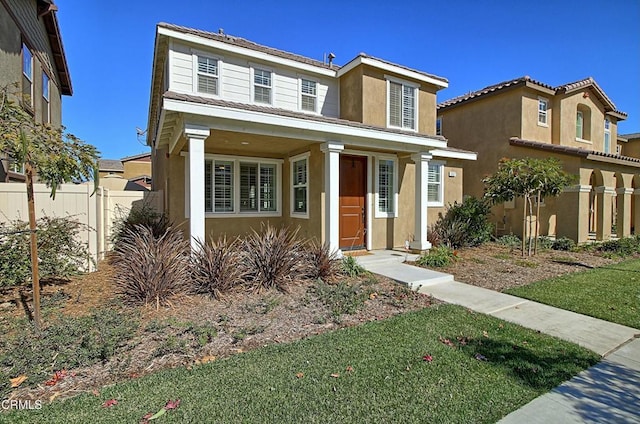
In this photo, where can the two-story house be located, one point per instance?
(32, 65)
(244, 134)
(575, 123)
(128, 173)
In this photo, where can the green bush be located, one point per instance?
(544, 243)
(61, 254)
(437, 257)
(351, 267)
(563, 243)
(622, 247)
(511, 241)
(464, 224)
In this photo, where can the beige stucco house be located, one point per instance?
(244, 134)
(32, 55)
(575, 123)
(129, 173)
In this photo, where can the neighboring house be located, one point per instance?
(629, 145)
(32, 55)
(128, 173)
(244, 134)
(575, 123)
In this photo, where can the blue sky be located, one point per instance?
(109, 47)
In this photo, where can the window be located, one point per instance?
(207, 75)
(308, 92)
(583, 123)
(262, 86)
(45, 98)
(240, 186)
(543, 105)
(300, 185)
(607, 136)
(386, 187)
(439, 125)
(434, 184)
(402, 105)
(579, 125)
(27, 76)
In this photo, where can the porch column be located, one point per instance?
(331, 152)
(572, 213)
(420, 241)
(636, 211)
(196, 136)
(623, 218)
(603, 222)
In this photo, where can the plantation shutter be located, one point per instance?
(395, 104)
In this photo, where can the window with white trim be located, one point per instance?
(439, 125)
(300, 185)
(308, 95)
(402, 108)
(27, 76)
(385, 187)
(219, 181)
(607, 135)
(543, 105)
(579, 125)
(45, 99)
(262, 84)
(434, 184)
(208, 75)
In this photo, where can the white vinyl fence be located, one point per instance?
(97, 211)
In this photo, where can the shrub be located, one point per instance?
(563, 243)
(622, 247)
(149, 269)
(61, 254)
(351, 267)
(274, 258)
(341, 298)
(544, 242)
(437, 257)
(511, 241)
(144, 215)
(215, 267)
(465, 224)
(323, 262)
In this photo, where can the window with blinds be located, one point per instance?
(45, 98)
(261, 86)
(222, 186)
(207, 75)
(27, 76)
(402, 105)
(434, 183)
(309, 95)
(300, 192)
(385, 186)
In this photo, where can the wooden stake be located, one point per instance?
(35, 277)
(535, 249)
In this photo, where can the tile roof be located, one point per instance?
(631, 136)
(573, 151)
(291, 114)
(241, 42)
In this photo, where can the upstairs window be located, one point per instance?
(579, 125)
(583, 123)
(208, 75)
(262, 86)
(543, 105)
(402, 105)
(27, 76)
(309, 95)
(434, 184)
(45, 99)
(439, 125)
(607, 136)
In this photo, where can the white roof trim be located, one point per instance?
(191, 38)
(307, 126)
(454, 154)
(407, 73)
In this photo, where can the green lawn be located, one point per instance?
(611, 293)
(481, 369)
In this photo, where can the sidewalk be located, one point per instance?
(607, 392)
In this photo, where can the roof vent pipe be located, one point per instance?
(331, 56)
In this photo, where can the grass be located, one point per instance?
(370, 373)
(611, 293)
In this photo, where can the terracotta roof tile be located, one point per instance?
(574, 151)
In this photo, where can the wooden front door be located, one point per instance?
(353, 189)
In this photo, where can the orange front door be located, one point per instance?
(353, 190)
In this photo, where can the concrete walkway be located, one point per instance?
(607, 392)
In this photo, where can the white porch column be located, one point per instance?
(420, 241)
(196, 136)
(331, 152)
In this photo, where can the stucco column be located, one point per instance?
(420, 241)
(195, 182)
(603, 224)
(572, 213)
(623, 220)
(332, 152)
(636, 211)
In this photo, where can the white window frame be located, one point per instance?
(46, 83)
(195, 55)
(440, 166)
(416, 96)
(303, 156)
(545, 113)
(607, 134)
(580, 136)
(315, 97)
(29, 77)
(236, 186)
(376, 198)
(252, 83)
(439, 125)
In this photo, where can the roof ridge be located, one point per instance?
(490, 88)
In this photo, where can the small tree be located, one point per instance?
(530, 179)
(55, 156)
